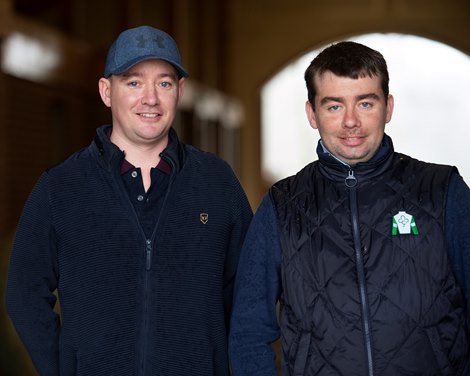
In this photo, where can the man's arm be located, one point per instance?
(32, 279)
(457, 234)
(242, 215)
(254, 323)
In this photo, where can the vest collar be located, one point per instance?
(334, 168)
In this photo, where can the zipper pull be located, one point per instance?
(350, 180)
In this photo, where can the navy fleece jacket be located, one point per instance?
(130, 304)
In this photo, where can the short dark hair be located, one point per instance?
(347, 59)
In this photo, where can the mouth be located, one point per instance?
(352, 140)
(149, 115)
(351, 136)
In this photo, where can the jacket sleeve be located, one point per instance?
(242, 215)
(32, 279)
(254, 325)
(457, 234)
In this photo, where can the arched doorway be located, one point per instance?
(429, 81)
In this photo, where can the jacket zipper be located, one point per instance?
(148, 259)
(148, 254)
(148, 265)
(149, 247)
(351, 183)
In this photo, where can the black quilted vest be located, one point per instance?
(356, 299)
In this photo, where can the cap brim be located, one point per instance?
(124, 68)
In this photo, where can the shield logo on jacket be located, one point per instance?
(204, 217)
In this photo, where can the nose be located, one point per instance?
(350, 120)
(150, 95)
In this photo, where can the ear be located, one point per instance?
(311, 115)
(181, 88)
(104, 87)
(390, 104)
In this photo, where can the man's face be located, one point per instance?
(350, 115)
(143, 102)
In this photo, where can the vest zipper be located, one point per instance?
(351, 183)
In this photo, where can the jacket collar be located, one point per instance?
(332, 167)
(110, 157)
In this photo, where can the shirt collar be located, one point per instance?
(126, 166)
(163, 166)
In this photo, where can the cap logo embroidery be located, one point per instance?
(204, 218)
(142, 41)
(404, 223)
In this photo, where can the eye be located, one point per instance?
(334, 108)
(165, 84)
(133, 84)
(365, 104)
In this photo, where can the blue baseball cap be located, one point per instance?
(135, 45)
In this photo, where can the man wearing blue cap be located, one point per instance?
(138, 233)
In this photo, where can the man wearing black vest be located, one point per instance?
(366, 250)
